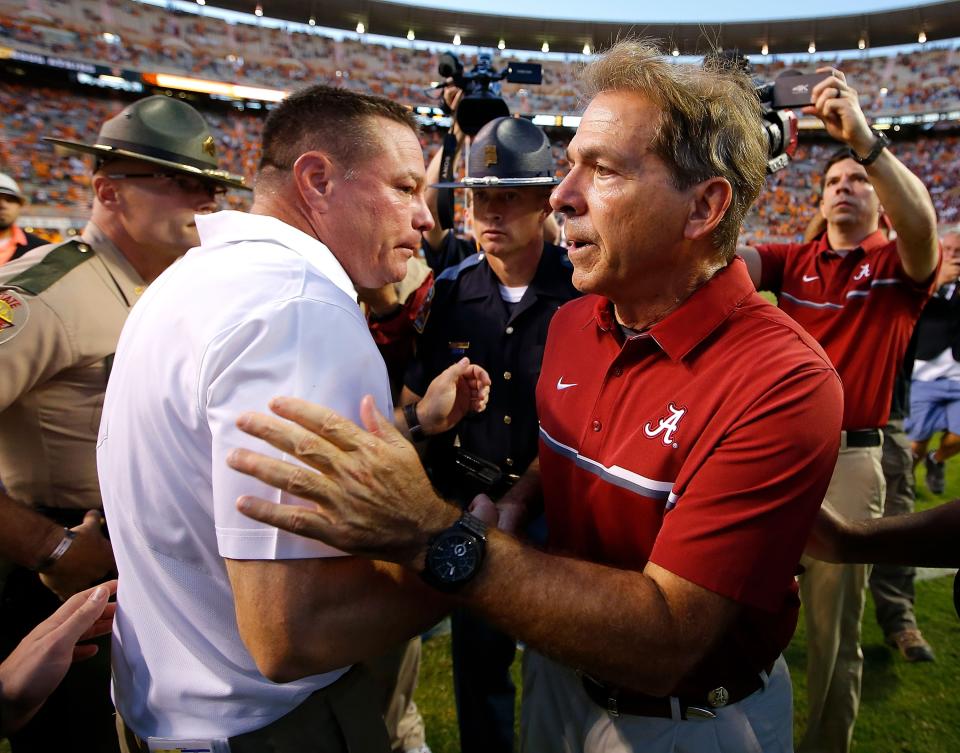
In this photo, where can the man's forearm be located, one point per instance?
(927, 538)
(304, 617)
(434, 236)
(620, 626)
(907, 203)
(27, 538)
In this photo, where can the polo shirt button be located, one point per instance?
(597, 425)
(507, 419)
(507, 375)
(618, 371)
(509, 330)
(509, 462)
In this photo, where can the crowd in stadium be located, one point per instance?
(149, 38)
(527, 307)
(61, 185)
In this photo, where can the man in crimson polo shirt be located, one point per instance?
(859, 294)
(688, 434)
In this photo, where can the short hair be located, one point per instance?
(839, 155)
(710, 122)
(337, 121)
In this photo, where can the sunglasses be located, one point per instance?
(185, 183)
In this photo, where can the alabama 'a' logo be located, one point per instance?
(667, 425)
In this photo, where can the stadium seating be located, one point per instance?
(150, 38)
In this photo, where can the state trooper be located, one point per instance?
(494, 307)
(62, 307)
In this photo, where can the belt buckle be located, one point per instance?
(718, 697)
(612, 707)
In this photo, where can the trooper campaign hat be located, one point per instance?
(163, 131)
(9, 187)
(505, 153)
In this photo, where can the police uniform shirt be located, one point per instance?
(62, 307)
(469, 318)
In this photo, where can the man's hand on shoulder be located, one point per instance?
(88, 560)
(372, 497)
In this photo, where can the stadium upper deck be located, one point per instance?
(149, 38)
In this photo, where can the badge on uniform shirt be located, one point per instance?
(459, 349)
(14, 313)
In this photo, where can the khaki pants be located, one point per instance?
(833, 598)
(341, 718)
(558, 716)
(892, 585)
(395, 675)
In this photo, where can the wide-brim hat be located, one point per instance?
(508, 153)
(163, 131)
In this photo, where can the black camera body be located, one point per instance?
(481, 101)
(780, 124)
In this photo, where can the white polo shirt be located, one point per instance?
(260, 309)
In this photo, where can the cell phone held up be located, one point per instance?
(795, 90)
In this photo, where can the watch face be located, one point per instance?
(454, 557)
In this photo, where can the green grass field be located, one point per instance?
(906, 708)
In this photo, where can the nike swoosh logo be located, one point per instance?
(562, 386)
(810, 278)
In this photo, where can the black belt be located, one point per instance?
(864, 438)
(616, 701)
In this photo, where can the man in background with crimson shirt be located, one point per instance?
(859, 294)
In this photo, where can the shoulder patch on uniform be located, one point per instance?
(52, 267)
(14, 313)
(423, 313)
(452, 273)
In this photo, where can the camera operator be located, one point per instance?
(857, 293)
(495, 308)
(441, 246)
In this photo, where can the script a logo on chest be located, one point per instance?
(667, 426)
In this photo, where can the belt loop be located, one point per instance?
(675, 713)
(764, 678)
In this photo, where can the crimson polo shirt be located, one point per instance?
(861, 307)
(704, 445)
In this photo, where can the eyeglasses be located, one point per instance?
(186, 183)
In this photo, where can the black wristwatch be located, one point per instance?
(880, 143)
(455, 555)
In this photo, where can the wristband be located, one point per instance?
(413, 423)
(58, 552)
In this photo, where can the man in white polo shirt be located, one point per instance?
(229, 632)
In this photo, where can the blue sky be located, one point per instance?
(689, 10)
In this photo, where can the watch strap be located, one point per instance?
(413, 422)
(881, 142)
(473, 524)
